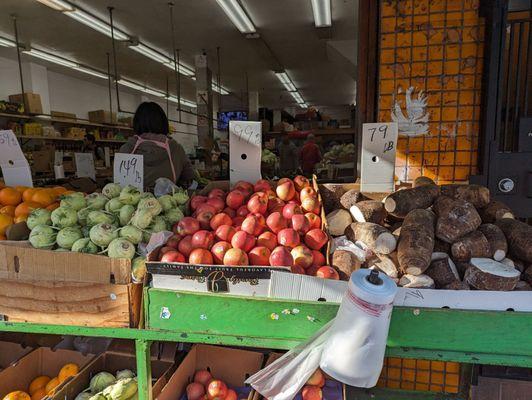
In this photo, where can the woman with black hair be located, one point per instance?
(163, 156)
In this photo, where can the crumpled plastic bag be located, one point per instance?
(164, 186)
(284, 378)
(361, 252)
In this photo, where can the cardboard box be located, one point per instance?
(42, 361)
(43, 160)
(11, 352)
(102, 117)
(66, 288)
(31, 101)
(113, 361)
(232, 366)
(63, 115)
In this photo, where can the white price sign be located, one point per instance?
(15, 167)
(245, 144)
(129, 170)
(85, 165)
(379, 142)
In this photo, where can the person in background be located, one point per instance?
(310, 155)
(163, 156)
(89, 146)
(288, 155)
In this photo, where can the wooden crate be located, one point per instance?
(67, 288)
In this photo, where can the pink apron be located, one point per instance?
(165, 145)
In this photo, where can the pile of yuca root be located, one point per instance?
(430, 236)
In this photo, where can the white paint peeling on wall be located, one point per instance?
(415, 123)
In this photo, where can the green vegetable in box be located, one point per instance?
(64, 216)
(43, 237)
(114, 205)
(173, 216)
(100, 217)
(125, 373)
(74, 200)
(121, 248)
(84, 245)
(130, 195)
(96, 201)
(142, 219)
(125, 214)
(103, 234)
(123, 389)
(66, 237)
(40, 216)
(100, 381)
(111, 190)
(167, 202)
(181, 197)
(131, 233)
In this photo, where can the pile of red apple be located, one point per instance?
(205, 387)
(254, 225)
(312, 389)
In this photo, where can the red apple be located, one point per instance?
(187, 226)
(302, 256)
(173, 256)
(300, 224)
(203, 377)
(185, 245)
(275, 204)
(237, 222)
(248, 187)
(235, 199)
(252, 225)
(318, 259)
(165, 249)
(195, 391)
(301, 182)
(307, 192)
(291, 209)
(229, 211)
(219, 220)
(268, 240)
(173, 241)
(219, 193)
(262, 185)
(235, 257)
(297, 269)
(218, 251)
(288, 237)
(204, 219)
(258, 203)
(285, 190)
(231, 395)
(200, 256)
(259, 256)
(311, 271)
(217, 203)
(281, 257)
(310, 204)
(311, 393)
(316, 239)
(327, 272)
(196, 200)
(225, 233)
(243, 240)
(205, 207)
(242, 211)
(202, 239)
(276, 222)
(314, 220)
(216, 390)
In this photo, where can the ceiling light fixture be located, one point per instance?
(238, 16)
(322, 13)
(141, 88)
(91, 72)
(51, 58)
(58, 5)
(96, 24)
(221, 89)
(150, 53)
(297, 97)
(6, 42)
(183, 69)
(184, 102)
(303, 105)
(286, 81)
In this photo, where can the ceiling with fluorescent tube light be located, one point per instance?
(288, 28)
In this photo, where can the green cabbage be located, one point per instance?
(43, 237)
(39, 216)
(123, 389)
(64, 216)
(121, 248)
(111, 190)
(103, 234)
(131, 233)
(67, 236)
(130, 195)
(100, 381)
(125, 373)
(84, 245)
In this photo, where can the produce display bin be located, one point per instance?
(11, 352)
(67, 288)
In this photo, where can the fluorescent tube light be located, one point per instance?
(58, 5)
(150, 53)
(51, 58)
(96, 24)
(303, 105)
(184, 102)
(285, 80)
(220, 89)
(322, 13)
(297, 97)
(141, 88)
(183, 69)
(90, 72)
(237, 15)
(6, 42)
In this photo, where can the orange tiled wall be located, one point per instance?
(435, 46)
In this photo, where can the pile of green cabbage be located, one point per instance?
(113, 222)
(106, 386)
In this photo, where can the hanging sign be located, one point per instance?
(15, 168)
(85, 165)
(245, 144)
(379, 142)
(129, 170)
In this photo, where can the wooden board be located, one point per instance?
(71, 303)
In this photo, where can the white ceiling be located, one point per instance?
(285, 25)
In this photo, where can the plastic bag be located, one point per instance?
(284, 378)
(360, 251)
(164, 186)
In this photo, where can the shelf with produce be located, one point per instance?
(79, 122)
(68, 139)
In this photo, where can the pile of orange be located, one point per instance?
(44, 385)
(17, 202)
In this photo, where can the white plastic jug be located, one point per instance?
(354, 352)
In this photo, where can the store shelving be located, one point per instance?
(69, 139)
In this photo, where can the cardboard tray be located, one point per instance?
(69, 288)
(42, 361)
(233, 366)
(113, 361)
(11, 353)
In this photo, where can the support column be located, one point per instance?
(142, 353)
(204, 106)
(253, 106)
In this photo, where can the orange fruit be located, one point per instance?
(10, 197)
(67, 371)
(28, 194)
(59, 190)
(8, 210)
(51, 385)
(20, 218)
(44, 197)
(26, 207)
(5, 222)
(39, 394)
(17, 395)
(20, 189)
(38, 383)
(52, 206)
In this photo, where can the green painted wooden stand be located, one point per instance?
(502, 338)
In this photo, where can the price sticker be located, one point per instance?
(245, 144)
(15, 168)
(129, 170)
(379, 142)
(85, 165)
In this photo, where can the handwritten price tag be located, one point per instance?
(85, 165)
(15, 168)
(379, 142)
(129, 170)
(245, 144)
